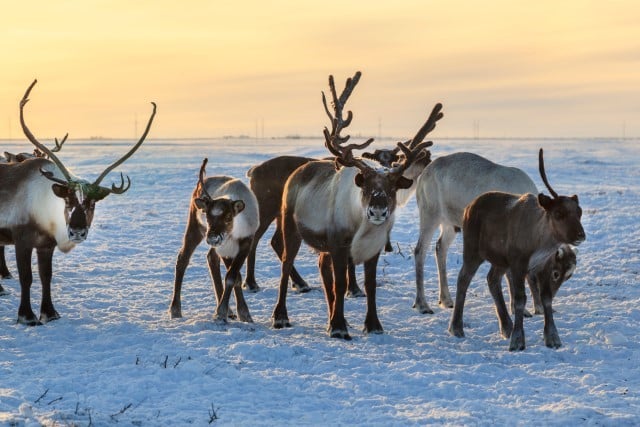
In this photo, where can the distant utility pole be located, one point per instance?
(379, 127)
(476, 129)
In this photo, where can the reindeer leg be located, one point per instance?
(520, 298)
(538, 307)
(192, 238)
(326, 273)
(45, 258)
(213, 261)
(297, 282)
(494, 280)
(353, 290)
(526, 312)
(372, 324)
(427, 228)
(292, 242)
(551, 336)
(338, 324)
(23, 259)
(469, 267)
(250, 283)
(4, 271)
(447, 236)
(234, 275)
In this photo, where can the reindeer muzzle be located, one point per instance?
(78, 235)
(215, 240)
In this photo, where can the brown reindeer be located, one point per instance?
(225, 211)
(343, 209)
(516, 234)
(44, 206)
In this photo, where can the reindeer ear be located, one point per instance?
(404, 183)
(200, 203)
(359, 180)
(238, 206)
(575, 198)
(60, 190)
(545, 201)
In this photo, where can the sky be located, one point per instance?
(216, 68)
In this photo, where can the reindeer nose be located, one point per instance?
(78, 235)
(377, 214)
(215, 240)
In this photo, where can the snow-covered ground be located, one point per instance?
(115, 357)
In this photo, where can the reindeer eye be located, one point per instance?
(555, 275)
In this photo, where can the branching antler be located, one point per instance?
(428, 126)
(121, 189)
(333, 139)
(117, 189)
(543, 175)
(33, 139)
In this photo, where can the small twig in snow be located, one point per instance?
(213, 415)
(41, 396)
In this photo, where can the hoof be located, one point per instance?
(175, 314)
(28, 321)
(45, 318)
(3, 291)
(245, 317)
(302, 288)
(527, 313)
(445, 304)
(251, 287)
(517, 341)
(423, 308)
(355, 293)
(281, 323)
(340, 333)
(456, 332)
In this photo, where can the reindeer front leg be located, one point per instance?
(23, 259)
(45, 258)
(518, 274)
(371, 323)
(4, 271)
(337, 322)
(192, 238)
(551, 336)
(233, 280)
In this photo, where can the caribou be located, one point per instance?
(267, 181)
(44, 206)
(444, 189)
(516, 234)
(344, 209)
(223, 209)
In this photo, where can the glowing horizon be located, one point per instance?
(561, 69)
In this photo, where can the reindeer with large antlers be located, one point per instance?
(267, 182)
(44, 206)
(344, 209)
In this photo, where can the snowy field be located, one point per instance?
(115, 357)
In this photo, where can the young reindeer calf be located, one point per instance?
(517, 234)
(225, 211)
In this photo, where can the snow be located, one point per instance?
(115, 357)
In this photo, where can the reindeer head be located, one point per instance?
(561, 266)
(220, 212)
(80, 196)
(378, 185)
(563, 212)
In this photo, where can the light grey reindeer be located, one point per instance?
(344, 213)
(516, 234)
(225, 211)
(447, 185)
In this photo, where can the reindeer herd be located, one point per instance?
(343, 206)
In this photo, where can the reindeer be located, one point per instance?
(267, 182)
(16, 158)
(224, 210)
(342, 212)
(445, 188)
(44, 206)
(516, 234)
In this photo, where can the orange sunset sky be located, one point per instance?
(501, 68)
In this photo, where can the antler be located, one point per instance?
(121, 189)
(333, 139)
(37, 143)
(201, 178)
(428, 126)
(59, 144)
(543, 175)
